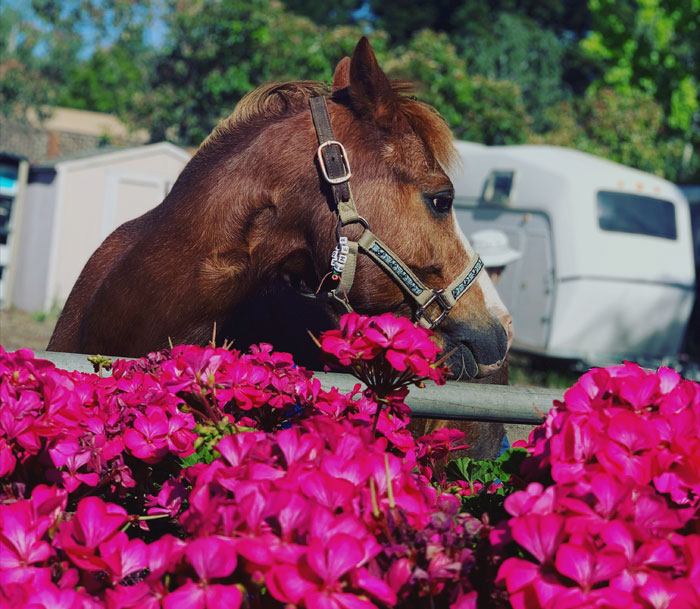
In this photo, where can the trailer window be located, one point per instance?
(498, 188)
(629, 213)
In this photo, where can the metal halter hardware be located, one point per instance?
(436, 298)
(344, 156)
(335, 168)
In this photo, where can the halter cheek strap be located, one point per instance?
(432, 306)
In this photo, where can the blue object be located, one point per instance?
(505, 444)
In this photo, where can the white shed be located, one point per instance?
(607, 271)
(71, 205)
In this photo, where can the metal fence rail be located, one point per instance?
(454, 400)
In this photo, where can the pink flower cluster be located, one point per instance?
(321, 500)
(216, 383)
(618, 527)
(387, 354)
(366, 344)
(318, 515)
(317, 510)
(312, 511)
(75, 429)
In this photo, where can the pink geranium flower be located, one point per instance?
(622, 452)
(540, 534)
(94, 523)
(327, 514)
(22, 533)
(123, 556)
(387, 353)
(213, 558)
(148, 438)
(588, 566)
(316, 581)
(7, 458)
(530, 585)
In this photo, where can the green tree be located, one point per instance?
(654, 47)
(108, 81)
(401, 22)
(340, 12)
(522, 52)
(476, 108)
(624, 127)
(217, 52)
(22, 85)
(86, 54)
(477, 27)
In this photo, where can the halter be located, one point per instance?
(335, 168)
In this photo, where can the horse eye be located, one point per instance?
(441, 203)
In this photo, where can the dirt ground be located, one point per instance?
(19, 329)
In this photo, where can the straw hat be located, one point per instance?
(493, 247)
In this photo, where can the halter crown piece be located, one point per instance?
(335, 168)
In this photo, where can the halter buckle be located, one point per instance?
(422, 315)
(343, 157)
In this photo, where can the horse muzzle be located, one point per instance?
(477, 352)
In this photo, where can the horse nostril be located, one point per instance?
(505, 339)
(487, 345)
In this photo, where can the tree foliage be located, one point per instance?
(653, 46)
(108, 81)
(624, 127)
(339, 12)
(217, 52)
(522, 52)
(477, 108)
(20, 78)
(614, 78)
(87, 54)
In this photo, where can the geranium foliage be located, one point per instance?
(202, 477)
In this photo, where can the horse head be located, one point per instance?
(255, 208)
(397, 153)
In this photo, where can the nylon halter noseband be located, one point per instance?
(333, 161)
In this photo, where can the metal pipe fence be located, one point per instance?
(454, 400)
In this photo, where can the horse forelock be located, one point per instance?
(428, 125)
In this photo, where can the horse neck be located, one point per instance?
(261, 215)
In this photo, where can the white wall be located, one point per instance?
(29, 290)
(96, 197)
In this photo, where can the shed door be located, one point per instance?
(130, 195)
(526, 286)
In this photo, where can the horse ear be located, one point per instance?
(341, 77)
(370, 88)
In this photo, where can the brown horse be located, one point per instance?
(250, 222)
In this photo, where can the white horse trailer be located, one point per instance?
(607, 271)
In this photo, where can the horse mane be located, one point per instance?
(275, 100)
(266, 103)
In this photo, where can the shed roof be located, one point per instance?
(111, 154)
(87, 122)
